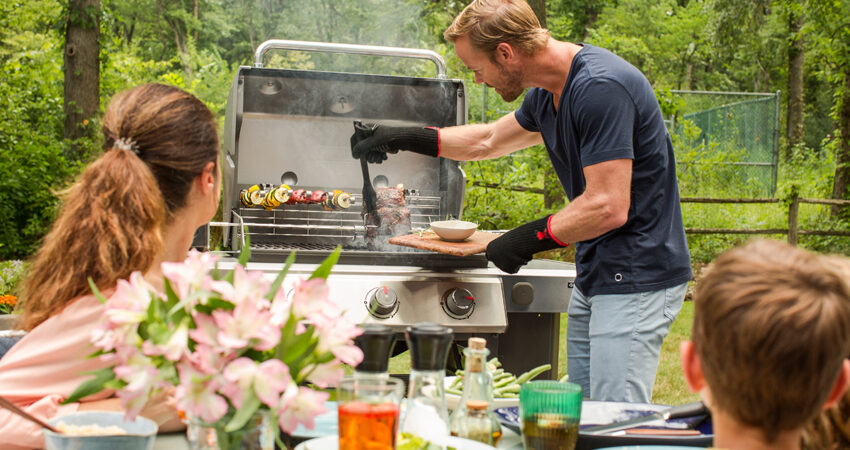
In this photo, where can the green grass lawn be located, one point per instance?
(670, 387)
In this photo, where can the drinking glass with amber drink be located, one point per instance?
(368, 412)
(550, 412)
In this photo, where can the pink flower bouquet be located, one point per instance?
(231, 344)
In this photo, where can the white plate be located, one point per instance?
(453, 400)
(332, 443)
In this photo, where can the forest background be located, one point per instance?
(63, 60)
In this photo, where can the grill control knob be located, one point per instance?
(458, 303)
(382, 302)
(522, 293)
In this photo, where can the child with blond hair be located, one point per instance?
(769, 343)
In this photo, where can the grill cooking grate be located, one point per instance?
(293, 246)
(312, 228)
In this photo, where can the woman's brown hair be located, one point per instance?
(158, 138)
(491, 22)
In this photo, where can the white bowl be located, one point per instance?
(141, 433)
(453, 230)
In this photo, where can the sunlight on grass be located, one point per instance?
(670, 387)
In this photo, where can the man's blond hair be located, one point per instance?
(772, 329)
(491, 22)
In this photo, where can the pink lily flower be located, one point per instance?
(300, 405)
(128, 304)
(140, 374)
(280, 309)
(239, 375)
(248, 323)
(107, 336)
(196, 394)
(190, 274)
(206, 331)
(336, 336)
(326, 375)
(209, 360)
(268, 379)
(310, 298)
(174, 348)
(250, 286)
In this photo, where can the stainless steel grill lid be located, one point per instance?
(293, 127)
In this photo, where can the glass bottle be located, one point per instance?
(473, 419)
(477, 423)
(425, 413)
(376, 342)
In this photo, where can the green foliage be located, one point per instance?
(32, 163)
(678, 44)
(11, 274)
(503, 208)
(708, 169)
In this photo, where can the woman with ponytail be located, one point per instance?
(135, 207)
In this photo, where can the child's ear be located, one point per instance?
(691, 366)
(840, 386)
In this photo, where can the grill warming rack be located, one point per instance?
(309, 226)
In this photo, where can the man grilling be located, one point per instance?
(600, 122)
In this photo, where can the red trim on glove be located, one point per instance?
(551, 234)
(439, 147)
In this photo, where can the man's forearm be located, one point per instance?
(602, 207)
(588, 217)
(486, 141)
(465, 142)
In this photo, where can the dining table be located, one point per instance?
(177, 441)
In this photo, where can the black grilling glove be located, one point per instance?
(387, 139)
(515, 248)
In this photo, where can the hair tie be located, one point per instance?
(127, 144)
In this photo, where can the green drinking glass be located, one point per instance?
(550, 412)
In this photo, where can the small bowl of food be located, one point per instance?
(100, 430)
(454, 230)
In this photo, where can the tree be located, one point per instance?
(830, 29)
(553, 193)
(581, 14)
(796, 52)
(82, 72)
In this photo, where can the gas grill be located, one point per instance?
(292, 127)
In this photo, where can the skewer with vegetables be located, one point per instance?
(269, 197)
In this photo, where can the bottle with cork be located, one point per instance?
(473, 418)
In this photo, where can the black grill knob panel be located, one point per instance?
(459, 302)
(522, 293)
(382, 302)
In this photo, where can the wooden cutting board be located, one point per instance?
(476, 243)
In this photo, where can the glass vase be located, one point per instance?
(257, 434)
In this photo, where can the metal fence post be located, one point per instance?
(793, 209)
(776, 144)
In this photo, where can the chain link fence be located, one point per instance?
(726, 143)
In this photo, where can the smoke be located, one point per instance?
(392, 23)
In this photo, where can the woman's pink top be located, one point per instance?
(45, 367)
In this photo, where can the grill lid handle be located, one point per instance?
(357, 49)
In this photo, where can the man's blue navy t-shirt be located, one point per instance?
(608, 111)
